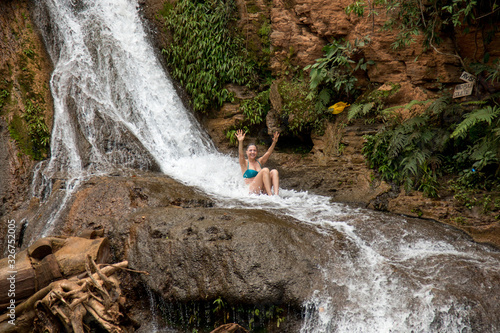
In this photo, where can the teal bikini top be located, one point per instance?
(250, 173)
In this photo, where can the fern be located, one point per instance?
(359, 110)
(397, 143)
(482, 102)
(486, 114)
(413, 124)
(412, 162)
(439, 105)
(424, 137)
(414, 153)
(406, 106)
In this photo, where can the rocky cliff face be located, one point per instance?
(305, 26)
(24, 79)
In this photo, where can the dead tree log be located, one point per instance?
(17, 276)
(47, 260)
(72, 304)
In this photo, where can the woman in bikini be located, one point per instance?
(261, 180)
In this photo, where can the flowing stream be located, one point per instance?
(115, 107)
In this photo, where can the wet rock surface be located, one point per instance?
(195, 251)
(243, 256)
(192, 249)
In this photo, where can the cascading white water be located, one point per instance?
(115, 107)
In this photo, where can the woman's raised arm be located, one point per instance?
(268, 153)
(240, 135)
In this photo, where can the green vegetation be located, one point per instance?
(4, 95)
(447, 138)
(259, 47)
(207, 315)
(255, 109)
(300, 114)
(205, 54)
(26, 124)
(30, 131)
(332, 77)
(371, 105)
(254, 112)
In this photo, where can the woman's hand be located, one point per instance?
(240, 135)
(276, 136)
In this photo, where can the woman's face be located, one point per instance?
(252, 151)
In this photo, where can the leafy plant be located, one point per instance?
(298, 113)
(256, 109)
(417, 152)
(204, 53)
(30, 131)
(37, 129)
(220, 307)
(30, 53)
(332, 77)
(4, 94)
(254, 112)
(488, 114)
(230, 134)
(410, 153)
(371, 104)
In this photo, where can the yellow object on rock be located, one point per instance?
(338, 107)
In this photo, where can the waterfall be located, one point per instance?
(115, 108)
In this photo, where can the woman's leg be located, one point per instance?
(275, 181)
(261, 183)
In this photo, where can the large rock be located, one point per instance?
(243, 256)
(192, 250)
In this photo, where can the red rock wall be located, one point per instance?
(306, 26)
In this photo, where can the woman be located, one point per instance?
(261, 180)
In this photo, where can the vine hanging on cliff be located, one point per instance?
(30, 131)
(205, 54)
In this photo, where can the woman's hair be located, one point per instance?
(251, 144)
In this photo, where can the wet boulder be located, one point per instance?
(243, 256)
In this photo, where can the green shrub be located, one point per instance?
(298, 113)
(30, 131)
(205, 54)
(416, 152)
(332, 77)
(254, 112)
(256, 109)
(4, 95)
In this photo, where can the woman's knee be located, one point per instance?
(274, 172)
(265, 170)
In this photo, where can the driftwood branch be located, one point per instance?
(73, 304)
